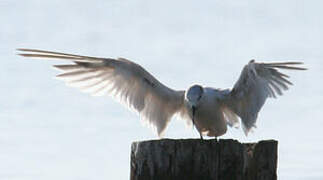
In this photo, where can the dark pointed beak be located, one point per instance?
(193, 110)
(193, 117)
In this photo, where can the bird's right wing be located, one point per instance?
(257, 82)
(124, 80)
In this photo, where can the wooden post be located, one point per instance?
(195, 159)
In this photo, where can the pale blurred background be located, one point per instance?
(50, 131)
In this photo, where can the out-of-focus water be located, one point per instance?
(50, 131)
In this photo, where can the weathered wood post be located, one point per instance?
(188, 159)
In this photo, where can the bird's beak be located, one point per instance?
(193, 110)
(193, 115)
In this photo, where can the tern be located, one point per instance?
(209, 109)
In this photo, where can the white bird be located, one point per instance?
(211, 110)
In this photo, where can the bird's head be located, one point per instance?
(193, 95)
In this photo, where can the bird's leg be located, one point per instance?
(193, 114)
(201, 136)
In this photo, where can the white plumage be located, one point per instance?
(211, 109)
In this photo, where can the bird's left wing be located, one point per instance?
(124, 80)
(257, 82)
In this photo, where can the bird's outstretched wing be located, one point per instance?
(257, 82)
(124, 80)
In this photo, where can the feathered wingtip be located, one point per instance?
(35, 53)
(285, 65)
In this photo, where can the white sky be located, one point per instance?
(50, 131)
